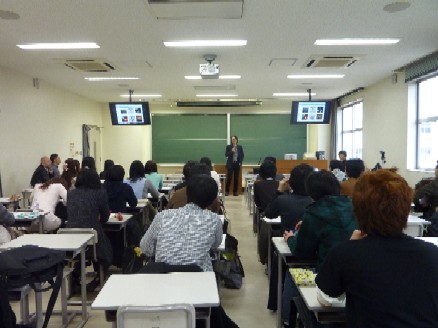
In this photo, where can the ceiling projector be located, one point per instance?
(209, 70)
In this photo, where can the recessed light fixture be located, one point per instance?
(396, 6)
(321, 76)
(10, 15)
(221, 77)
(205, 43)
(216, 96)
(141, 96)
(58, 46)
(110, 78)
(355, 42)
(292, 94)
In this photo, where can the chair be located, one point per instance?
(92, 242)
(164, 316)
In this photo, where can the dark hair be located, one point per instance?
(199, 168)
(150, 166)
(70, 171)
(77, 166)
(136, 171)
(268, 170)
(436, 165)
(88, 162)
(270, 158)
(354, 168)
(88, 179)
(342, 152)
(60, 180)
(187, 167)
(237, 139)
(109, 163)
(322, 183)
(297, 179)
(116, 173)
(201, 190)
(53, 157)
(206, 161)
(381, 202)
(335, 164)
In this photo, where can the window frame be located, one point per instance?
(353, 131)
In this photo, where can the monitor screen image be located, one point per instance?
(310, 112)
(130, 113)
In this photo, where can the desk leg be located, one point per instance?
(269, 251)
(41, 224)
(39, 307)
(279, 289)
(83, 288)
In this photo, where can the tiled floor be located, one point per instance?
(246, 306)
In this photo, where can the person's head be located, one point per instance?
(77, 165)
(199, 168)
(335, 164)
(116, 173)
(69, 171)
(150, 167)
(88, 179)
(206, 161)
(59, 180)
(108, 164)
(322, 183)
(234, 140)
(354, 168)
(297, 178)
(187, 167)
(201, 190)
(55, 159)
(46, 162)
(268, 170)
(381, 203)
(88, 162)
(270, 158)
(342, 155)
(136, 171)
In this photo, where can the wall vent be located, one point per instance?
(214, 103)
(88, 65)
(330, 61)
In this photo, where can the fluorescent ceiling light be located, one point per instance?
(218, 95)
(325, 76)
(141, 96)
(221, 77)
(355, 42)
(110, 78)
(292, 94)
(57, 46)
(205, 43)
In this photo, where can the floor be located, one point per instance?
(246, 306)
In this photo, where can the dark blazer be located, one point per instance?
(229, 155)
(40, 175)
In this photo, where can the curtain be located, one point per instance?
(334, 129)
(85, 142)
(1, 189)
(420, 68)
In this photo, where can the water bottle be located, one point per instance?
(36, 209)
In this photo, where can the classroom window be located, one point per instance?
(349, 122)
(427, 123)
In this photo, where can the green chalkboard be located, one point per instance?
(268, 135)
(179, 138)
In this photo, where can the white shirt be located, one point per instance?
(48, 198)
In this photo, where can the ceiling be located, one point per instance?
(280, 34)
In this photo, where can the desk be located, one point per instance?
(197, 288)
(284, 254)
(433, 240)
(271, 222)
(8, 202)
(74, 244)
(113, 224)
(25, 219)
(415, 226)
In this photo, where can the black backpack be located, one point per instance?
(29, 265)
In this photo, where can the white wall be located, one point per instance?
(36, 122)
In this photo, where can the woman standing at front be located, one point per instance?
(234, 154)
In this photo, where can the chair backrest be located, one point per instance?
(93, 241)
(163, 316)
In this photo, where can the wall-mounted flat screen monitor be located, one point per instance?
(311, 112)
(130, 113)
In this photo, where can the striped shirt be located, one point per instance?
(183, 236)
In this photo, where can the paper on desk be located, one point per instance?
(326, 300)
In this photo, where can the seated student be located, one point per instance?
(70, 171)
(43, 172)
(343, 158)
(186, 173)
(389, 278)
(185, 235)
(265, 189)
(291, 206)
(88, 162)
(119, 193)
(138, 182)
(427, 192)
(278, 176)
(151, 173)
(6, 219)
(108, 164)
(326, 223)
(179, 198)
(45, 196)
(87, 207)
(337, 169)
(354, 168)
(213, 173)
